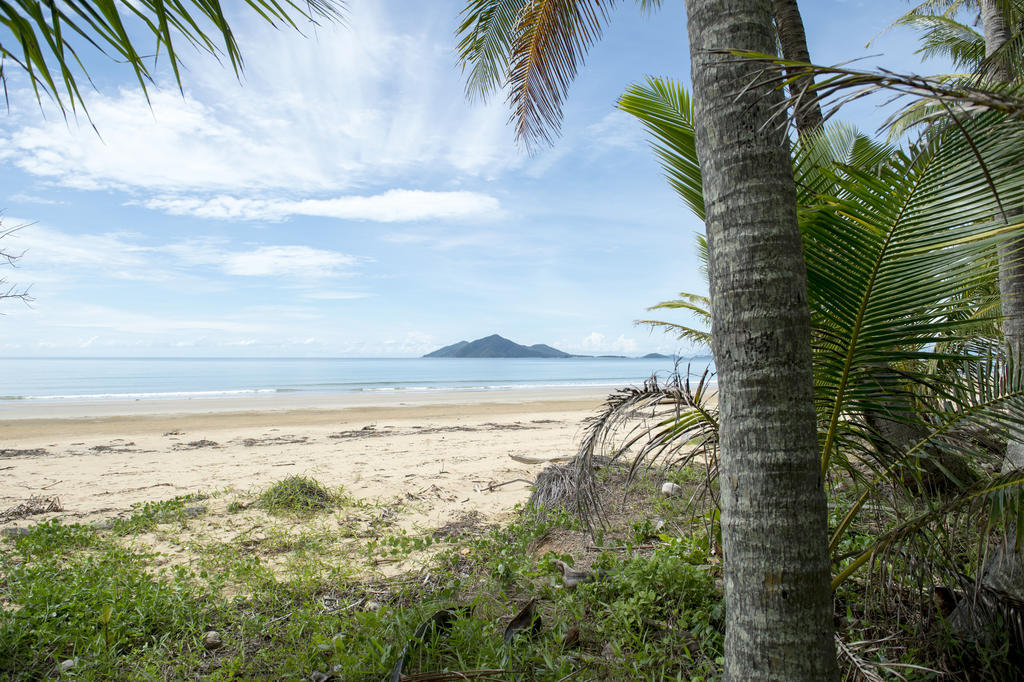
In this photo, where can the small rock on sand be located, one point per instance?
(212, 640)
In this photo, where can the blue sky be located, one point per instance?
(345, 199)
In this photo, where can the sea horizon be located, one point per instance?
(141, 378)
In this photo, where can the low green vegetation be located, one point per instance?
(96, 602)
(299, 496)
(339, 594)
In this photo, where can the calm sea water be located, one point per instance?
(60, 379)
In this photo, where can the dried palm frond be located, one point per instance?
(555, 487)
(853, 657)
(667, 422)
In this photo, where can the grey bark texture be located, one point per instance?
(794, 48)
(1011, 254)
(778, 597)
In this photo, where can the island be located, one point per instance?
(495, 346)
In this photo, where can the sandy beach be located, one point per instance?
(440, 449)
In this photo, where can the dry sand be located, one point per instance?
(441, 450)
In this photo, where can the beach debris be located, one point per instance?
(493, 486)
(117, 445)
(670, 489)
(571, 638)
(212, 640)
(194, 511)
(196, 444)
(33, 452)
(174, 433)
(525, 622)
(466, 523)
(555, 487)
(571, 577)
(37, 504)
(40, 487)
(15, 532)
(438, 624)
(274, 440)
(526, 459)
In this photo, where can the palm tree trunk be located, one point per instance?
(1011, 254)
(794, 48)
(778, 601)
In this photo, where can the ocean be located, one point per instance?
(98, 379)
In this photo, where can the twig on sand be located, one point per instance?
(283, 464)
(492, 486)
(39, 487)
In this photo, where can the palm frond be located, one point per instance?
(486, 34)
(44, 35)
(668, 422)
(550, 43)
(839, 86)
(666, 111)
(943, 36)
(699, 306)
(890, 252)
(977, 501)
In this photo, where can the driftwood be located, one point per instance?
(526, 459)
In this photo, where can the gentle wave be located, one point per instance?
(503, 387)
(145, 396)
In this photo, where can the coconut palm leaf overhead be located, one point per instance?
(47, 40)
(534, 48)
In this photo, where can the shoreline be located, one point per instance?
(17, 411)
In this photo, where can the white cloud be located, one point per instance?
(616, 129)
(272, 261)
(596, 342)
(102, 317)
(349, 108)
(395, 205)
(53, 256)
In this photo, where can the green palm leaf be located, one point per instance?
(665, 110)
(39, 37)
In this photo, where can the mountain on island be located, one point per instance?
(495, 346)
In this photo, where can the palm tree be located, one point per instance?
(778, 603)
(778, 606)
(43, 39)
(908, 369)
(793, 44)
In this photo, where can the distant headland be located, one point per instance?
(495, 346)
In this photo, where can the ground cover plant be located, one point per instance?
(99, 602)
(301, 600)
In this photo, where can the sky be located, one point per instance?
(345, 198)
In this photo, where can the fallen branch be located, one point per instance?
(492, 486)
(526, 459)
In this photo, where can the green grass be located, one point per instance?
(299, 496)
(288, 601)
(101, 597)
